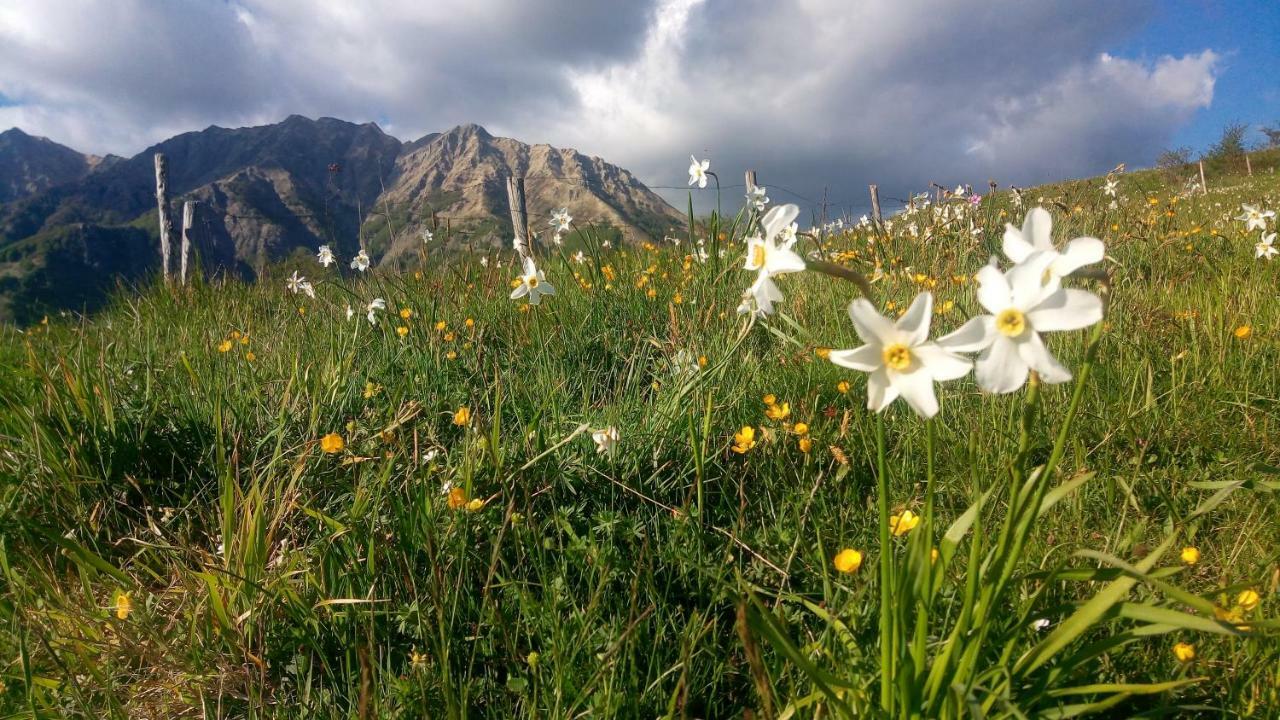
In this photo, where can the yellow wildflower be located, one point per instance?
(1248, 600)
(744, 439)
(402, 331)
(848, 560)
(124, 605)
(1190, 555)
(904, 523)
(332, 443)
(806, 444)
(1185, 652)
(457, 498)
(1244, 332)
(224, 346)
(778, 412)
(800, 428)
(843, 386)
(462, 416)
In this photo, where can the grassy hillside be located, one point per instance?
(183, 537)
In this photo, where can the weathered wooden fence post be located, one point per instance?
(875, 204)
(519, 216)
(1248, 166)
(751, 180)
(1204, 189)
(188, 223)
(162, 203)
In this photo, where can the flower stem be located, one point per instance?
(886, 572)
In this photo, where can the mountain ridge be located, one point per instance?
(271, 192)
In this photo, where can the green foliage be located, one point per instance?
(170, 448)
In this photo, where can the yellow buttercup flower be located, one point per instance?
(457, 498)
(1248, 600)
(402, 331)
(406, 313)
(1244, 332)
(770, 399)
(744, 439)
(1185, 652)
(800, 428)
(848, 560)
(123, 605)
(475, 504)
(842, 387)
(823, 352)
(462, 416)
(224, 346)
(778, 412)
(441, 325)
(1190, 555)
(806, 444)
(332, 443)
(904, 523)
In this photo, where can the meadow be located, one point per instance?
(237, 500)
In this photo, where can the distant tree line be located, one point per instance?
(1227, 154)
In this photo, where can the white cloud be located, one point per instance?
(813, 94)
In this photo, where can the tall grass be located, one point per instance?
(674, 578)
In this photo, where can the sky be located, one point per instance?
(820, 97)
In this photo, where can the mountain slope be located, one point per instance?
(271, 192)
(30, 165)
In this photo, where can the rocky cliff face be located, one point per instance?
(268, 193)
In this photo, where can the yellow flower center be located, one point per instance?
(531, 281)
(1011, 322)
(757, 255)
(897, 356)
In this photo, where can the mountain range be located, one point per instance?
(74, 226)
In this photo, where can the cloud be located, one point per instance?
(817, 95)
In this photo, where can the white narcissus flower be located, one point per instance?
(1022, 305)
(560, 220)
(769, 257)
(901, 359)
(1264, 248)
(361, 261)
(373, 307)
(427, 236)
(1035, 236)
(698, 171)
(606, 440)
(325, 256)
(350, 313)
(757, 197)
(579, 258)
(1110, 187)
(484, 261)
(298, 284)
(533, 284)
(1253, 218)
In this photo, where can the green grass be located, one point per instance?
(673, 579)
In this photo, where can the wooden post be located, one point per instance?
(162, 203)
(875, 204)
(188, 223)
(519, 216)
(751, 180)
(1248, 166)
(1204, 189)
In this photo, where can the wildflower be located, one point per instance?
(224, 346)
(1185, 652)
(805, 444)
(402, 330)
(457, 498)
(1248, 600)
(298, 284)
(532, 284)
(325, 256)
(770, 399)
(1110, 188)
(579, 258)
(532, 659)
(744, 439)
(123, 605)
(606, 440)
(374, 305)
(427, 236)
(350, 313)
(1253, 218)
(698, 171)
(475, 504)
(800, 428)
(1190, 555)
(848, 560)
(1035, 237)
(250, 357)
(560, 220)
(1265, 247)
(769, 258)
(1040, 624)
(842, 387)
(757, 198)
(417, 660)
(1022, 305)
(899, 356)
(332, 443)
(462, 416)
(778, 412)
(904, 523)
(1244, 332)
(361, 261)
(406, 313)
(822, 352)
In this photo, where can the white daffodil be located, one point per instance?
(325, 256)
(757, 197)
(484, 261)
(373, 307)
(298, 284)
(427, 236)
(772, 255)
(560, 220)
(350, 312)
(901, 359)
(606, 244)
(579, 258)
(1022, 305)
(1035, 236)
(1110, 188)
(1253, 218)
(361, 261)
(606, 440)
(1265, 248)
(698, 171)
(532, 284)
